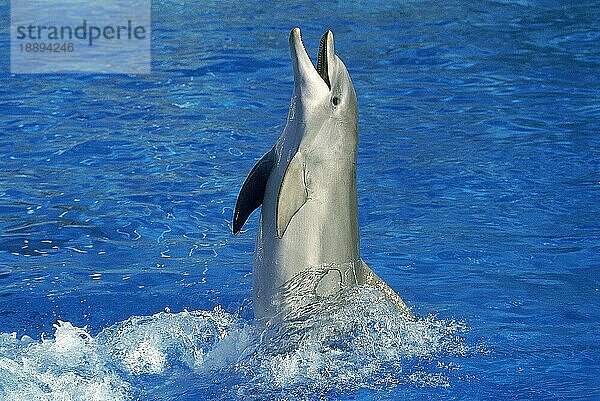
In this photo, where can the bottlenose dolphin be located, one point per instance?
(306, 185)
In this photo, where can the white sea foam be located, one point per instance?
(68, 367)
(361, 342)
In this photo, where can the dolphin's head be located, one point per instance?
(324, 100)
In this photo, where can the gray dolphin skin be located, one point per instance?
(306, 185)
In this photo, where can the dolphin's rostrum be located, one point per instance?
(306, 185)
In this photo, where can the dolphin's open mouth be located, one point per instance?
(305, 72)
(322, 67)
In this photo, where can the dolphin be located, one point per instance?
(306, 185)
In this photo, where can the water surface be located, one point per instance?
(479, 188)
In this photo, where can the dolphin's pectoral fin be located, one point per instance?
(367, 276)
(292, 193)
(252, 192)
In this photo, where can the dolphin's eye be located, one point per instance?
(335, 100)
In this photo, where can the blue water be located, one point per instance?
(479, 201)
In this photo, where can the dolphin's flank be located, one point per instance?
(306, 185)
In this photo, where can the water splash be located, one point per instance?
(68, 367)
(196, 340)
(362, 342)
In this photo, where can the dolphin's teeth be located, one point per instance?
(322, 67)
(301, 41)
